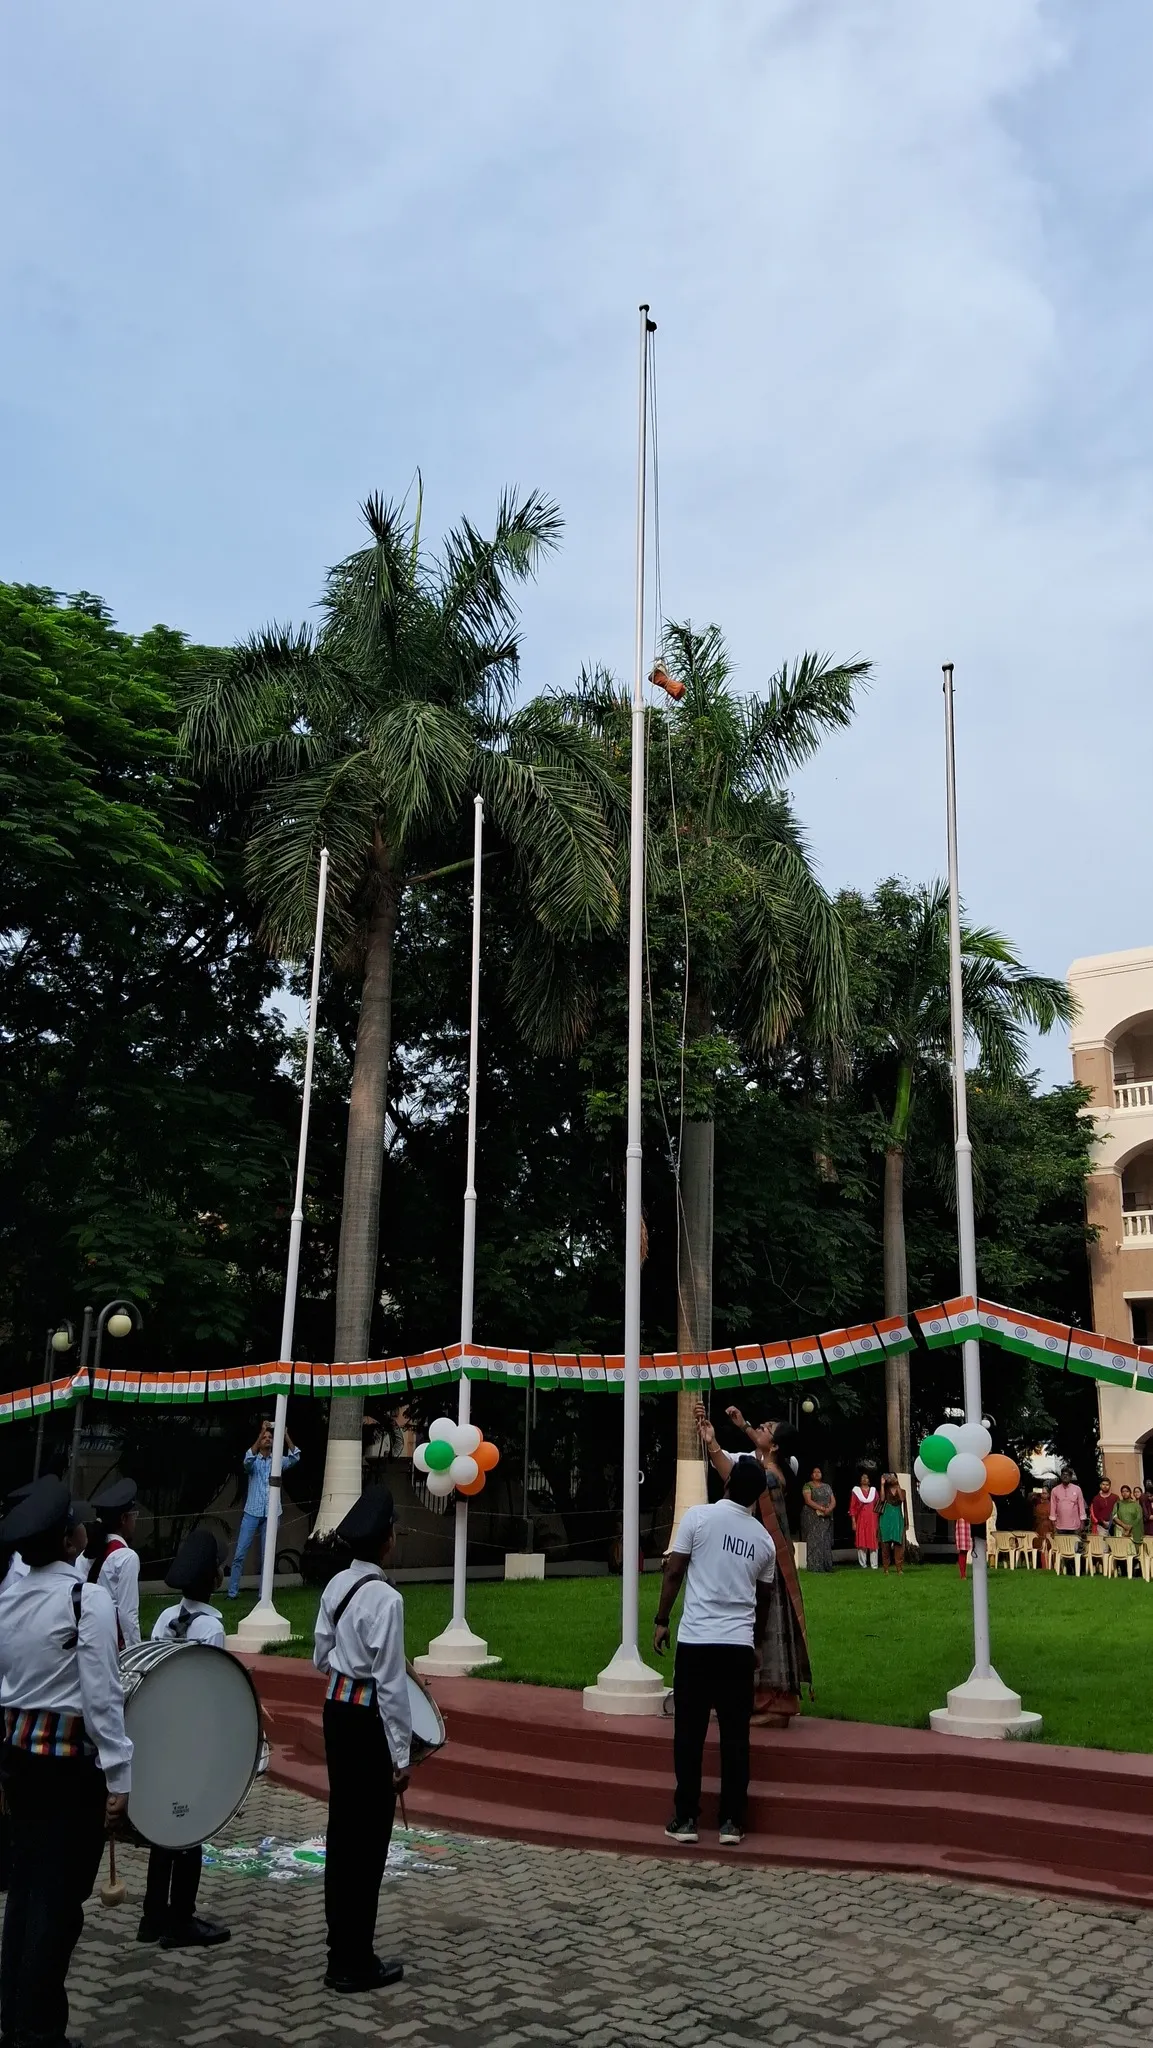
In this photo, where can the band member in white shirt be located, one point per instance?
(169, 1915)
(367, 1739)
(66, 1760)
(727, 1560)
(115, 1565)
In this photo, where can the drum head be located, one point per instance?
(427, 1726)
(194, 1721)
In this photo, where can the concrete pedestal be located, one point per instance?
(262, 1625)
(626, 1686)
(985, 1709)
(524, 1564)
(453, 1654)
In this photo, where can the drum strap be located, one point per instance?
(179, 1626)
(353, 1590)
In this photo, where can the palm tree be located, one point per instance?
(755, 941)
(901, 988)
(370, 735)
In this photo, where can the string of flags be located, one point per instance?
(787, 1363)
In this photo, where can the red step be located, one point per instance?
(529, 1762)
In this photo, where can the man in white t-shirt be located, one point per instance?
(728, 1561)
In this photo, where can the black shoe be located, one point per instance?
(731, 1834)
(682, 1831)
(196, 1933)
(388, 1970)
(148, 1930)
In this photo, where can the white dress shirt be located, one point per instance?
(206, 1626)
(120, 1577)
(368, 1642)
(42, 1670)
(17, 1570)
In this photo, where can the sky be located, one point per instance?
(262, 257)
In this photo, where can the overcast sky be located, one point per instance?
(263, 256)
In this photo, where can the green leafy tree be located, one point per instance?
(371, 735)
(900, 946)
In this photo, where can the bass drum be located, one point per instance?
(193, 1716)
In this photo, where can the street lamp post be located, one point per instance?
(61, 1337)
(119, 1317)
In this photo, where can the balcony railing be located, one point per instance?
(1133, 1095)
(1137, 1226)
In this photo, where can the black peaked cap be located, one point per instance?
(197, 1559)
(45, 1508)
(115, 1499)
(371, 1520)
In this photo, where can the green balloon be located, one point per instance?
(936, 1452)
(438, 1455)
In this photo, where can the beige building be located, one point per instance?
(1112, 1047)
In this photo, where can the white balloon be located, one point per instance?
(951, 1430)
(937, 1490)
(974, 1438)
(920, 1469)
(465, 1439)
(443, 1430)
(965, 1473)
(439, 1483)
(420, 1457)
(463, 1471)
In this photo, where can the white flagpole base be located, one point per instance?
(263, 1625)
(453, 1654)
(626, 1686)
(692, 1490)
(987, 1709)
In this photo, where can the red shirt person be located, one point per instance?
(1102, 1508)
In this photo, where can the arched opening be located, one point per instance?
(1132, 1048)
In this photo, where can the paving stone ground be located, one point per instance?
(515, 1947)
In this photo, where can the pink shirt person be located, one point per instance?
(1067, 1507)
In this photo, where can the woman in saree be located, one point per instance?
(785, 1665)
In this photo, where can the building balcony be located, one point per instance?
(1137, 1228)
(1133, 1095)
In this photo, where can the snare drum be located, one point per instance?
(193, 1716)
(428, 1730)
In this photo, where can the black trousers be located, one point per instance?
(361, 1809)
(710, 1676)
(173, 1882)
(56, 1811)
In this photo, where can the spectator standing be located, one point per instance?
(1102, 1509)
(1067, 1505)
(817, 1521)
(963, 1538)
(864, 1512)
(254, 1520)
(1128, 1518)
(891, 1529)
(1143, 1494)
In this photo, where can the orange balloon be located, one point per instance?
(486, 1455)
(951, 1513)
(1001, 1474)
(974, 1507)
(474, 1486)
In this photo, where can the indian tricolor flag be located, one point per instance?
(476, 1361)
(778, 1363)
(149, 1382)
(650, 1384)
(217, 1386)
(100, 1383)
(840, 1353)
(429, 1369)
(1143, 1383)
(866, 1343)
(395, 1377)
(751, 1365)
(895, 1335)
(62, 1393)
(568, 1371)
(1025, 1336)
(322, 1381)
(517, 1368)
(6, 1401)
(807, 1358)
(1103, 1358)
(695, 1369)
(948, 1322)
(724, 1369)
(615, 1372)
(278, 1376)
(668, 1366)
(593, 1377)
(42, 1398)
(544, 1372)
(301, 1377)
(21, 1404)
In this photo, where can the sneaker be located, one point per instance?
(196, 1933)
(148, 1930)
(682, 1831)
(731, 1834)
(385, 1970)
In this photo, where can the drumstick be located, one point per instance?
(114, 1892)
(403, 1814)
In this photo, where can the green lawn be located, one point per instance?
(1080, 1652)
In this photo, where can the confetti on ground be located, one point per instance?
(412, 1852)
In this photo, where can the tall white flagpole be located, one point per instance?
(265, 1624)
(627, 1685)
(984, 1705)
(457, 1649)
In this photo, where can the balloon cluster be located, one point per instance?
(958, 1472)
(456, 1455)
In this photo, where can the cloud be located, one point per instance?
(271, 258)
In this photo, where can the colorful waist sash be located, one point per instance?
(47, 1734)
(351, 1692)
